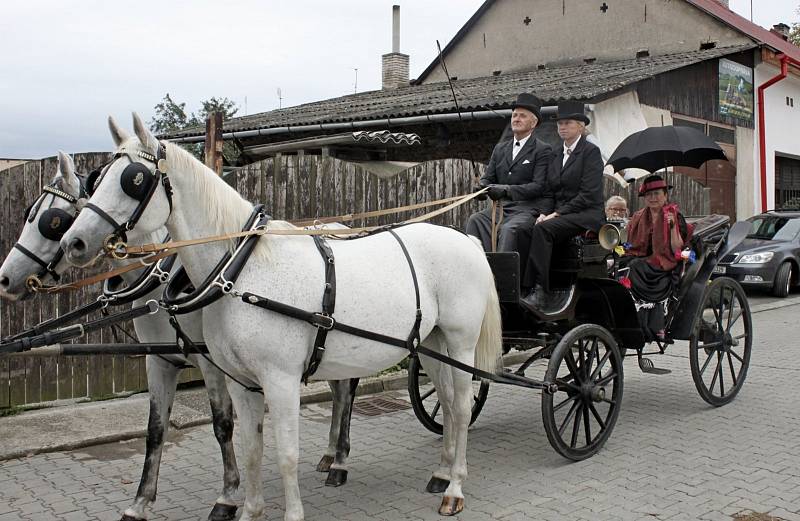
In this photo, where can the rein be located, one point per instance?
(122, 251)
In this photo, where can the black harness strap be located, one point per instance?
(324, 321)
(56, 322)
(328, 306)
(187, 347)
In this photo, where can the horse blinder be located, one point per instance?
(137, 181)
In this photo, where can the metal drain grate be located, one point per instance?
(377, 405)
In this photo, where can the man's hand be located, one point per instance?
(542, 218)
(481, 197)
(498, 192)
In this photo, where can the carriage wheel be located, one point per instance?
(426, 404)
(719, 348)
(587, 367)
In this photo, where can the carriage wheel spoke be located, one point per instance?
(735, 319)
(565, 402)
(730, 307)
(721, 368)
(717, 318)
(435, 409)
(606, 379)
(567, 418)
(721, 309)
(708, 360)
(597, 416)
(709, 345)
(733, 373)
(569, 358)
(428, 394)
(609, 401)
(586, 427)
(739, 337)
(594, 353)
(735, 355)
(716, 374)
(576, 428)
(600, 365)
(567, 386)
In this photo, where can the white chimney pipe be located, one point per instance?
(395, 28)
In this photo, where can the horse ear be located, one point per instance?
(66, 172)
(146, 137)
(117, 134)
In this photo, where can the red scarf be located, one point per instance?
(642, 229)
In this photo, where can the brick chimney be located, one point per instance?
(781, 30)
(395, 64)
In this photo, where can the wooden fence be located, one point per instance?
(291, 187)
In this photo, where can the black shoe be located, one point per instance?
(533, 299)
(556, 301)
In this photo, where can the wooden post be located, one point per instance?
(213, 149)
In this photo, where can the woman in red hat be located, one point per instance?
(656, 235)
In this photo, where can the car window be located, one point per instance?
(774, 228)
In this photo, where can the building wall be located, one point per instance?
(568, 31)
(782, 126)
(8, 163)
(746, 177)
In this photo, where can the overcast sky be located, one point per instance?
(65, 65)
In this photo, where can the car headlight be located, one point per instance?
(757, 258)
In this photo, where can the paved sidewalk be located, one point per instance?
(671, 456)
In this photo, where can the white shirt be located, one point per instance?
(518, 144)
(568, 150)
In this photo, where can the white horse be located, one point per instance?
(163, 371)
(460, 310)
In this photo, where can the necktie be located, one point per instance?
(515, 150)
(567, 152)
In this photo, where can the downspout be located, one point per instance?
(762, 133)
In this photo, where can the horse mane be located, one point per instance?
(228, 209)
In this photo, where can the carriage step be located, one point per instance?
(647, 366)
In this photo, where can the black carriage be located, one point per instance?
(586, 342)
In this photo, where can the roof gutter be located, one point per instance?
(762, 133)
(360, 125)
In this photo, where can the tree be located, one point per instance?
(794, 34)
(170, 116)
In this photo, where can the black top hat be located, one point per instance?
(530, 102)
(653, 182)
(572, 110)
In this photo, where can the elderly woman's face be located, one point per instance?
(656, 199)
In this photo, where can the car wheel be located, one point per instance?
(783, 280)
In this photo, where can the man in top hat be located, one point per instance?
(575, 177)
(516, 176)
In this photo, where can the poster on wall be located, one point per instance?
(735, 90)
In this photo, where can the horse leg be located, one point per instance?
(336, 386)
(460, 411)
(162, 380)
(441, 379)
(344, 395)
(222, 419)
(282, 391)
(249, 408)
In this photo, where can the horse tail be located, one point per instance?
(490, 342)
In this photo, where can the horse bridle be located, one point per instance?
(138, 182)
(51, 228)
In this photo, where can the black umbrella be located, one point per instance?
(655, 148)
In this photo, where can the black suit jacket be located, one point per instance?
(526, 175)
(578, 185)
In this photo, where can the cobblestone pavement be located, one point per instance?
(671, 456)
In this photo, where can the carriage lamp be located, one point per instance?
(757, 258)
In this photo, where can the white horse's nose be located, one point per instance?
(76, 246)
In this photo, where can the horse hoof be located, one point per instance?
(336, 478)
(222, 512)
(126, 517)
(324, 464)
(451, 506)
(437, 485)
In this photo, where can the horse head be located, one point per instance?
(37, 254)
(129, 192)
